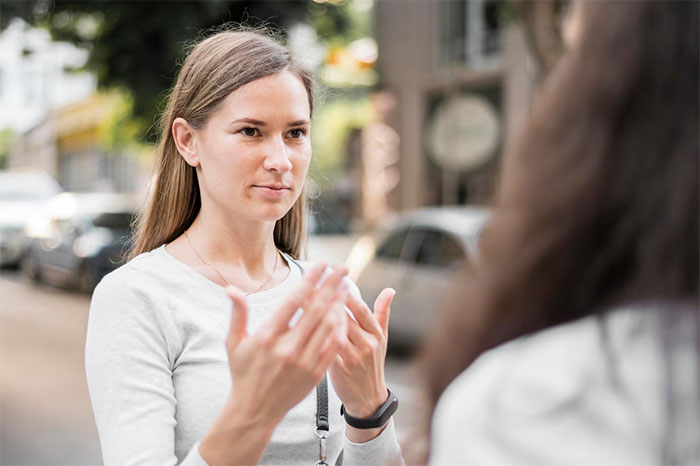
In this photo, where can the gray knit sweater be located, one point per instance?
(158, 374)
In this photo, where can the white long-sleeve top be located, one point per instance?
(158, 373)
(623, 390)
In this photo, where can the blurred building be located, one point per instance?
(84, 164)
(37, 75)
(67, 144)
(459, 73)
(56, 115)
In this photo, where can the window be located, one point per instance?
(114, 220)
(470, 31)
(439, 249)
(402, 245)
(391, 248)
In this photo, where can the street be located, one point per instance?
(45, 414)
(45, 410)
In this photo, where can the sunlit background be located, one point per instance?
(417, 101)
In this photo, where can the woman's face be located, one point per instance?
(255, 150)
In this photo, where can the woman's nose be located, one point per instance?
(277, 156)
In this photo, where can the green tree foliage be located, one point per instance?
(136, 45)
(6, 137)
(333, 125)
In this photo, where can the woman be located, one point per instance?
(173, 376)
(592, 259)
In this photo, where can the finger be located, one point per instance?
(325, 334)
(342, 338)
(279, 323)
(239, 317)
(348, 352)
(319, 304)
(325, 276)
(330, 277)
(363, 315)
(382, 308)
(357, 336)
(330, 353)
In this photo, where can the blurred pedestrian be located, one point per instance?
(174, 376)
(582, 308)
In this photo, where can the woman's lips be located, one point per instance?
(273, 191)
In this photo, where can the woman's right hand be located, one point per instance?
(274, 368)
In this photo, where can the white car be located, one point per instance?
(416, 255)
(80, 238)
(23, 193)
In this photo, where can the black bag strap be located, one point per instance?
(322, 405)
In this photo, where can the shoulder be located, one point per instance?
(135, 302)
(137, 279)
(569, 361)
(146, 266)
(531, 374)
(555, 386)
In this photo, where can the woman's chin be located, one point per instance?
(270, 212)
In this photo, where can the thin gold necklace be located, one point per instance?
(274, 269)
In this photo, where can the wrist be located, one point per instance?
(368, 406)
(377, 419)
(241, 415)
(362, 435)
(236, 437)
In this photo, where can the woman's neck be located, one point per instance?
(236, 252)
(245, 245)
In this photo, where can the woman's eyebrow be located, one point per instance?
(253, 121)
(300, 123)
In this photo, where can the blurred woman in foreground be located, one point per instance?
(589, 268)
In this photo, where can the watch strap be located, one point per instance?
(380, 417)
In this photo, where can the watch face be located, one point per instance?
(464, 132)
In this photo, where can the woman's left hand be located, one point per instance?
(358, 373)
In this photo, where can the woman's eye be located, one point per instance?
(297, 133)
(249, 131)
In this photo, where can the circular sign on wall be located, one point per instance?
(464, 132)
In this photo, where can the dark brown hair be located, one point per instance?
(598, 202)
(216, 66)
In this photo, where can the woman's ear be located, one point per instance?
(184, 137)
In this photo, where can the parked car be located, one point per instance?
(416, 255)
(81, 238)
(23, 192)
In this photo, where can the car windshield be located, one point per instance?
(113, 220)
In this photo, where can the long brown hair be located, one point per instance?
(598, 202)
(214, 68)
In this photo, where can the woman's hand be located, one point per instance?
(276, 367)
(358, 372)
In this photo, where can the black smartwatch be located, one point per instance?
(378, 419)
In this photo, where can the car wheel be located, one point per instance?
(86, 278)
(30, 267)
